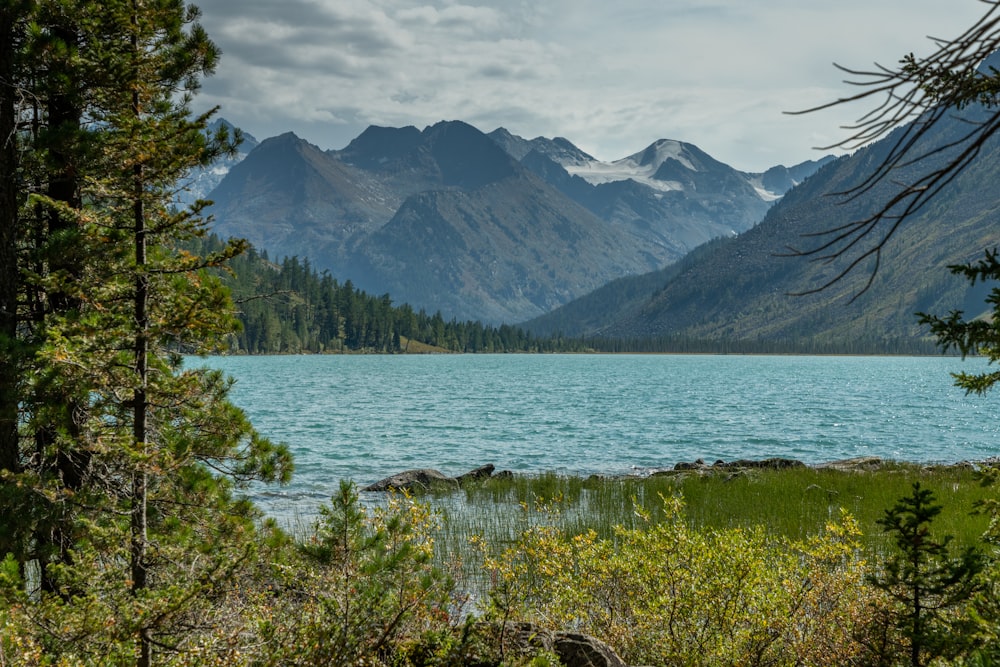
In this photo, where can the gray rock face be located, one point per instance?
(424, 478)
(576, 650)
(409, 479)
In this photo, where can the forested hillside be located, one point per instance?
(753, 290)
(289, 307)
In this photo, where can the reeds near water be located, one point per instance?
(790, 503)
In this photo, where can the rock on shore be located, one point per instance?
(424, 478)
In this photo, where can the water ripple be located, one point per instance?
(365, 417)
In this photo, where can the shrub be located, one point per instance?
(667, 593)
(362, 582)
(925, 581)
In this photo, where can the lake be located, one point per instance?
(364, 417)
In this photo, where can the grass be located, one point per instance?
(798, 502)
(790, 503)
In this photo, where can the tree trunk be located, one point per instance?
(9, 267)
(140, 398)
(10, 279)
(63, 127)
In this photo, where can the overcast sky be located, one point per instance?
(612, 76)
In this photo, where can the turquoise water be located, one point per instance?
(366, 417)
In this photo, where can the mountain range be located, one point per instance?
(666, 243)
(201, 183)
(489, 227)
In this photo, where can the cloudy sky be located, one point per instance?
(611, 76)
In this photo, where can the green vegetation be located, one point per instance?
(667, 594)
(730, 577)
(662, 578)
(125, 540)
(291, 308)
(792, 503)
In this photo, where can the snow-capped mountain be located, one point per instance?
(641, 167)
(201, 182)
(647, 167)
(671, 194)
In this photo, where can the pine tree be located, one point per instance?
(12, 15)
(924, 579)
(54, 77)
(134, 458)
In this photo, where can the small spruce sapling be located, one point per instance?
(924, 579)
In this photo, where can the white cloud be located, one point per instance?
(611, 77)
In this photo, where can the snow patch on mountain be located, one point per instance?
(757, 181)
(661, 151)
(598, 172)
(639, 167)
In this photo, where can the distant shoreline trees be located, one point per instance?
(288, 307)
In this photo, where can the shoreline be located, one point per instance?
(427, 478)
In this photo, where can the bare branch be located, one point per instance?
(254, 297)
(915, 97)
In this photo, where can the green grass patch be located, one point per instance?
(798, 502)
(790, 503)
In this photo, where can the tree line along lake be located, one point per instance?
(364, 417)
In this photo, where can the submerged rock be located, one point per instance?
(697, 465)
(425, 478)
(482, 472)
(776, 463)
(409, 479)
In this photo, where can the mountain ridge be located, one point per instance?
(364, 213)
(743, 288)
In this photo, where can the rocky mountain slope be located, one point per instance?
(199, 184)
(742, 288)
(489, 227)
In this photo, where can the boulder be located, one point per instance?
(573, 649)
(527, 639)
(422, 478)
(576, 650)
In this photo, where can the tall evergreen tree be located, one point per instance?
(55, 79)
(12, 16)
(133, 461)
